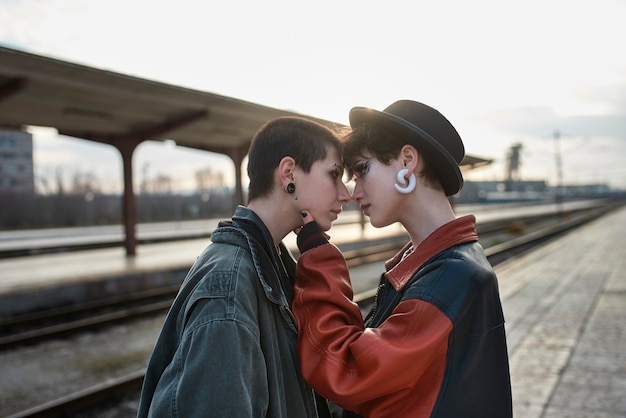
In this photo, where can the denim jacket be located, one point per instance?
(228, 345)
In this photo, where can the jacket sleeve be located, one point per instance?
(218, 370)
(354, 366)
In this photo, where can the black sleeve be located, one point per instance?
(311, 236)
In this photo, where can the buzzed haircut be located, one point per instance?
(304, 140)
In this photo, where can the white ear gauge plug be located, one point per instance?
(405, 189)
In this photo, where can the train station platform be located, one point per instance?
(47, 281)
(564, 305)
(565, 311)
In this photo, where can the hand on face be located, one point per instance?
(306, 218)
(321, 190)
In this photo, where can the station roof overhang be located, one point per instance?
(108, 107)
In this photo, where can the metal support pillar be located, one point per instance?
(129, 209)
(237, 155)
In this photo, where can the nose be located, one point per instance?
(344, 194)
(357, 193)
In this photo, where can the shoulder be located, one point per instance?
(458, 264)
(453, 277)
(223, 274)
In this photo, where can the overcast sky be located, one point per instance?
(503, 72)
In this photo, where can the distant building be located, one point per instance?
(502, 191)
(16, 162)
(585, 190)
(527, 191)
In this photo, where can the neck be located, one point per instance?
(275, 216)
(428, 211)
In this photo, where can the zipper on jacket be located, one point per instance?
(370, 316)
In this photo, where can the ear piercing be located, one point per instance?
(291, 188)
(401, 179)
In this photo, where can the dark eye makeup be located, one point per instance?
(360, 168)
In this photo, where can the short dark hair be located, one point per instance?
(382, 145)
(304, 140)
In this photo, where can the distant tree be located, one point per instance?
(84, 183)
(162, 183)
(58, 176)
(206, 179)
(43, 185)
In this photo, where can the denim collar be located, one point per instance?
(276, 271)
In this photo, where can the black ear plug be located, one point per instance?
(303, 214)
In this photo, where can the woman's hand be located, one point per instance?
(309, 234)
(306, 218)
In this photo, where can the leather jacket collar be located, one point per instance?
(401, 268)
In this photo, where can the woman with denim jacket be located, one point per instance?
(228, 345)
(434, 344)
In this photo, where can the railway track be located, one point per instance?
(61, 322)
(530, 235)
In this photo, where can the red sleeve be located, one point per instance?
(364, 370)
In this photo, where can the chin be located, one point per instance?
(378, 223)
(324, 225)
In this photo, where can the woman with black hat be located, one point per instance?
(434, 344)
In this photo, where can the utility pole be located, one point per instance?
(513, 161)
(559, 171)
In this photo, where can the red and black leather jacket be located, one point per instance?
(434, 345)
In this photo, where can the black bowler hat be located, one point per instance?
(425, 128)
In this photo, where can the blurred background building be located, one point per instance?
(16, 162)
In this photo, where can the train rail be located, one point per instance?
(530, 235)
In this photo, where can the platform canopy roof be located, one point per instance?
(108, 107)
(104, 106)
